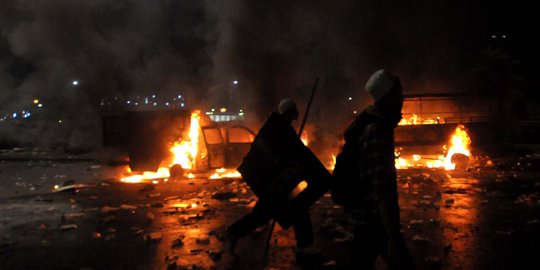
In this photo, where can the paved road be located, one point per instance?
(481, 219)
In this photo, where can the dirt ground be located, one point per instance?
(484, 218)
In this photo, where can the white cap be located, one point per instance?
(380, 83)
(285, 105)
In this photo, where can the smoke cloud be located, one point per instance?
(274, 49)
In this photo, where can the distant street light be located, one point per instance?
(230, 99)
(75, 83)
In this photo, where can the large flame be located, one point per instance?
(184, 153)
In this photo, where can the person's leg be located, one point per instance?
(399, 256)
(260, 215)
(303, 230)
(306, 253)
(366, 246)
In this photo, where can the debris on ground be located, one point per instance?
(153, 195)
(153, 237)
(70, 216)
(128, 207)
(529, 198)
(214, 255)
(419, 239)
(69, 185)
(224, 196)
(147, 187)
(68, 227)
(203, 241)
(178, 242)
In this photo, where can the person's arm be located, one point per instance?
(382, 173)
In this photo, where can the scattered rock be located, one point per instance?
(203, 241)
(96, 235)
(157, 205)
(71, 216)
(224, 196)
(153, 195)
(419, 239)
(108, 219)
(178, 242)
(153, 237)
(416, 221)
(107, 209)
(531, 222)
(148, 187)
(214, 255)
(68, 227)
(447, 248)
(128, 207)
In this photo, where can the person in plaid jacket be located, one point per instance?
(374, 215)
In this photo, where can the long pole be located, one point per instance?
(273, 222)
(308, 107)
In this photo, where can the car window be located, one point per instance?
(240, 135)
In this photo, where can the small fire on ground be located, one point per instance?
(183, 154)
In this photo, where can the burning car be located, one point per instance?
(186, 141)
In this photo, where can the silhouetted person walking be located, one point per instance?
(373, 206)
(275, 164)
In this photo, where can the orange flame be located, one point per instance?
(460, 143)
(224, 173)
(184, 153)
(413, 120)
(417, 120)
(161, 173)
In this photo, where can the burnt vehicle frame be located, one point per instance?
(145, 137)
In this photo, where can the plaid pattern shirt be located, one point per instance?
(377, 163)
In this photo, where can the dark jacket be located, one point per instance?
(277, 161)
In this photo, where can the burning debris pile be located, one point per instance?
(456, 156)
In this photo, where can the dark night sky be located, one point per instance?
(274, 48)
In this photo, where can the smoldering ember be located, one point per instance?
(123, 123)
